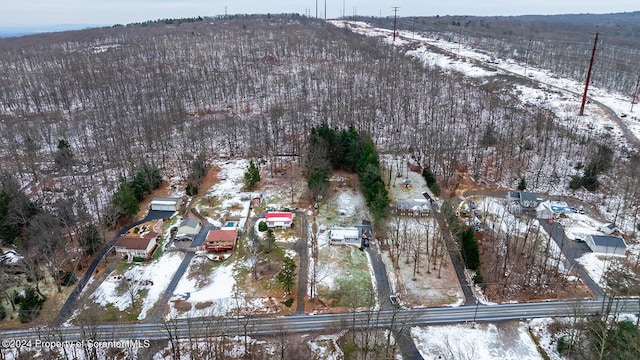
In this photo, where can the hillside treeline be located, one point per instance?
(255, 87)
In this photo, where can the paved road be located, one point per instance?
(401, 334)
(572, 250)
(201, 327)
(70, 304)
(302, 247)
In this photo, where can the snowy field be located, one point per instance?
(152, 277)
(228, 200)
(484, 342)
(215, 295)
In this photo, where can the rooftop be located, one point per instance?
(610, 241)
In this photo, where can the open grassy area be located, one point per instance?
(350, 282)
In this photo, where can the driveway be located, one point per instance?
(71, 302)
(572, 250)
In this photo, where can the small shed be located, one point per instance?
(608, 228)
(606, 244)
(256, 198)
(414, 166)
(165, 204)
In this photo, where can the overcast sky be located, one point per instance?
(108, 12)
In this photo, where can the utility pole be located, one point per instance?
(325, 9)
(635, 93)
(413, 28)
(526, 57)
(586, 85)
(316, 9)
(395, 20)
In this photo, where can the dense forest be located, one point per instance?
(172, 94)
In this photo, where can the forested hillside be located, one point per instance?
(252, 87)
(560, 43)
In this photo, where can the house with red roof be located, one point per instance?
(220, 240)
(281, 220)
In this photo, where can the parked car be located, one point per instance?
(394, 300)
(608, 228)
(365, 242)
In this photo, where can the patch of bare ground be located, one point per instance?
(414, 251)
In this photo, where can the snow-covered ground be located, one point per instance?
(540, 97)
(231, 200)
(153, 277)
(484, 341)
(215, 295)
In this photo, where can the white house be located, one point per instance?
(188, 228)
(605, 244)
(165, 203)
(280, 220)
(142, 246)
(544, 211)
(518, 201)
(412, 207)
(344, 236)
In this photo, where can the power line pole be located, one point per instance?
(395, 20)
(586, 85)
(526, 57)
(316, 9)
(413, 28)
(325, 9)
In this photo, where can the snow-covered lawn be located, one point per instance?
(597, 264)
(152, 277)
(344, 275)
(226, 199)
(214, 294)
(485, 341)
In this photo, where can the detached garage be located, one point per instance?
(605, 244)
(165, 204)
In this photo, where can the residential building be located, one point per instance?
(412, 207)
(345, 236)
(188, 228)
(606, 244)
(220, 240)
(280, 220)
(137, 246)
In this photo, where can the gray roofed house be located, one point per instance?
(412, 207)
(522, 200)
(189, 227)
(605, 244)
